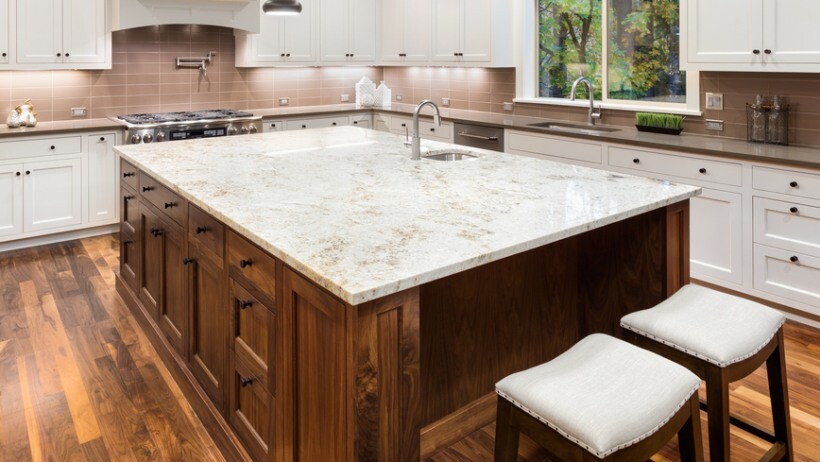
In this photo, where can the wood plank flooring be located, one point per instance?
(79, 380)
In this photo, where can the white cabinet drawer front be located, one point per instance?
(556, 147)
(786, 182)
(787, 225)
(716, 235)
(680, 166)
(400, 125)
(361, 120)
(324, 122)
(269, 126)
(41, 147)
(777, 274)
(427, 129)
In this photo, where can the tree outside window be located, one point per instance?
(638, 62)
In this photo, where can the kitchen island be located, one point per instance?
(320, 296)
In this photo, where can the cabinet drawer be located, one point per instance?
(787, 225)
(786, 182)
(523, 143)
(427, 129)
(129, 175)
(788, 274)
(41, 147)
(163, 198)
(249, 262)
(324, 122)
(273, 126)
(253, 334)
(250, 411)
(207, 230)
(130, 210)
(680, 166)
(361, 120)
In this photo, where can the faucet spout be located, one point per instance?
(416, 140)
(593, 114)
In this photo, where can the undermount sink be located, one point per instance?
(449, 155)
(574, 128)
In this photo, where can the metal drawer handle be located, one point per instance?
(245, 263)
(187, 261)
(169, 205)
(245, 304)
(147, 188)
(478, 137)
(128, 174)
(201, 229)
(244, 382)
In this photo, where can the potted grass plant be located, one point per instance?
(668, 124)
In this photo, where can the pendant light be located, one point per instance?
(282, 7)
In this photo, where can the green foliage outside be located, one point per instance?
(643, 48)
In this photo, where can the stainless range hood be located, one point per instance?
(238, 14)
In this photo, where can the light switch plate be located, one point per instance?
(399, 97)
(345, 98)
(284, 101)
(509, 107)
(714, 101)
(445, 101)
(79, 112)
(714, 125)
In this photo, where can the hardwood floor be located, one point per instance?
(79, 380)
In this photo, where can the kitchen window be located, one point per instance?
(629, 49)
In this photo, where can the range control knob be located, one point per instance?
(160, 137)
(253, 129)
(245, 130)
(136, 139)
(231, 130)
(148, 138)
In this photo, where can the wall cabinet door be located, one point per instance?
(84, 37)
(39, 31)
(299, 38)
(267, 46)
(11, 198)
(53, 194)
(5, 32)
(363, 14)
(103, 165)
(417, 15)
(725, 31)
(791, 33)
(717, 236)
(392, 30)
(335, 29)
(477, 30)
(209, 322)
(447, 37)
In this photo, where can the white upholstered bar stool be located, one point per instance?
(603, 399)
(722, 339)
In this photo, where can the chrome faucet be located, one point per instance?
(593, 115)
(415, 143)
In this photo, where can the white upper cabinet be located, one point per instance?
(281, 40)
(62, 34)
(405, 36)
(750, 35)
(348, 31)
(462, 30)
(5, 33)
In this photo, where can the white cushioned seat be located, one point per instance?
(716, 327)
(603, 394)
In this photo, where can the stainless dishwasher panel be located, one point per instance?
(479, 136)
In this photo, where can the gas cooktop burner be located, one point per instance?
(196, 116)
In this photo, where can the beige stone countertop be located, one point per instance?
(59, 127)
(347, 208)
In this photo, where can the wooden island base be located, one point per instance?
(279, 369)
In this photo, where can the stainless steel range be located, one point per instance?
(177, 126)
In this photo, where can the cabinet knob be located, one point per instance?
(355, 122)
(67, 55)
(245, 304)
(156, 232)
(432, 129)
(128, 174)
(28, 172)
(455, 54)
(127, 242)
(767, 51)
(102, 138)
(53, 148)
(702, 171)
(4, 55)
(282, 55)
(304, 126)
(245, 263)
(636, 161)
(402, 55)
(169, 205)
(201, 229)
(757, 52)
(793, 184)
(288, 55)
(245, 381)
(334, 124)
(187, 261)
(273, 125)
(147, 188)
(18, 174)
(794, 259)
(793, 210)
(128, 198)
(59, 54)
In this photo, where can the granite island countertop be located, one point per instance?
(348, 209)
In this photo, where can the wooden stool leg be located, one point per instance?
(779, 392)
(689, 436)
(506, 435)
(717, 408)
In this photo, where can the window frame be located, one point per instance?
(528, 73)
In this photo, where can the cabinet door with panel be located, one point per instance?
(447, 21)
(417, 15)
(716, 241)
(299, 38)
(11, 198)
(151, 258)
(392, 30)
(5, 32)
(477, 30)
(103, 167)
(208, 355)
(267, 45)
(790, 33)
(363, 23)
(84, 31)
(724, 31)
(335, 29)
(173, 307)
(39, 31)
(53, 194)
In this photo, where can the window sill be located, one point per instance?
(609, 105)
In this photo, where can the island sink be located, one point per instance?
(450, 155)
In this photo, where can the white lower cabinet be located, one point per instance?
(52, 194)
(716, 236)
(103, 178)
(11, 198)
(322, 122)
(790, 275)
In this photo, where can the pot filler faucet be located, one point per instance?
(593, 115)
(415, 143)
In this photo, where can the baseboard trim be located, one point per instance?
(59, 237)
(453, 428)
(208, 414)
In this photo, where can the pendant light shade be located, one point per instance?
(282, 7)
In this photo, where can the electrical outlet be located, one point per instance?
(399, 97)
(79, 112)
(445, 101)
(714, 101)
(284, 101)
(345, 98)
(509, 107)
(714, 125)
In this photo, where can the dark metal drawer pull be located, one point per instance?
(147, 188)
(245, 304)
(169, 205)
(478, 137)
(245, 263)
(244, 382)
(201, 229)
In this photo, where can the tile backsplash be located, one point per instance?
(144, 78)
